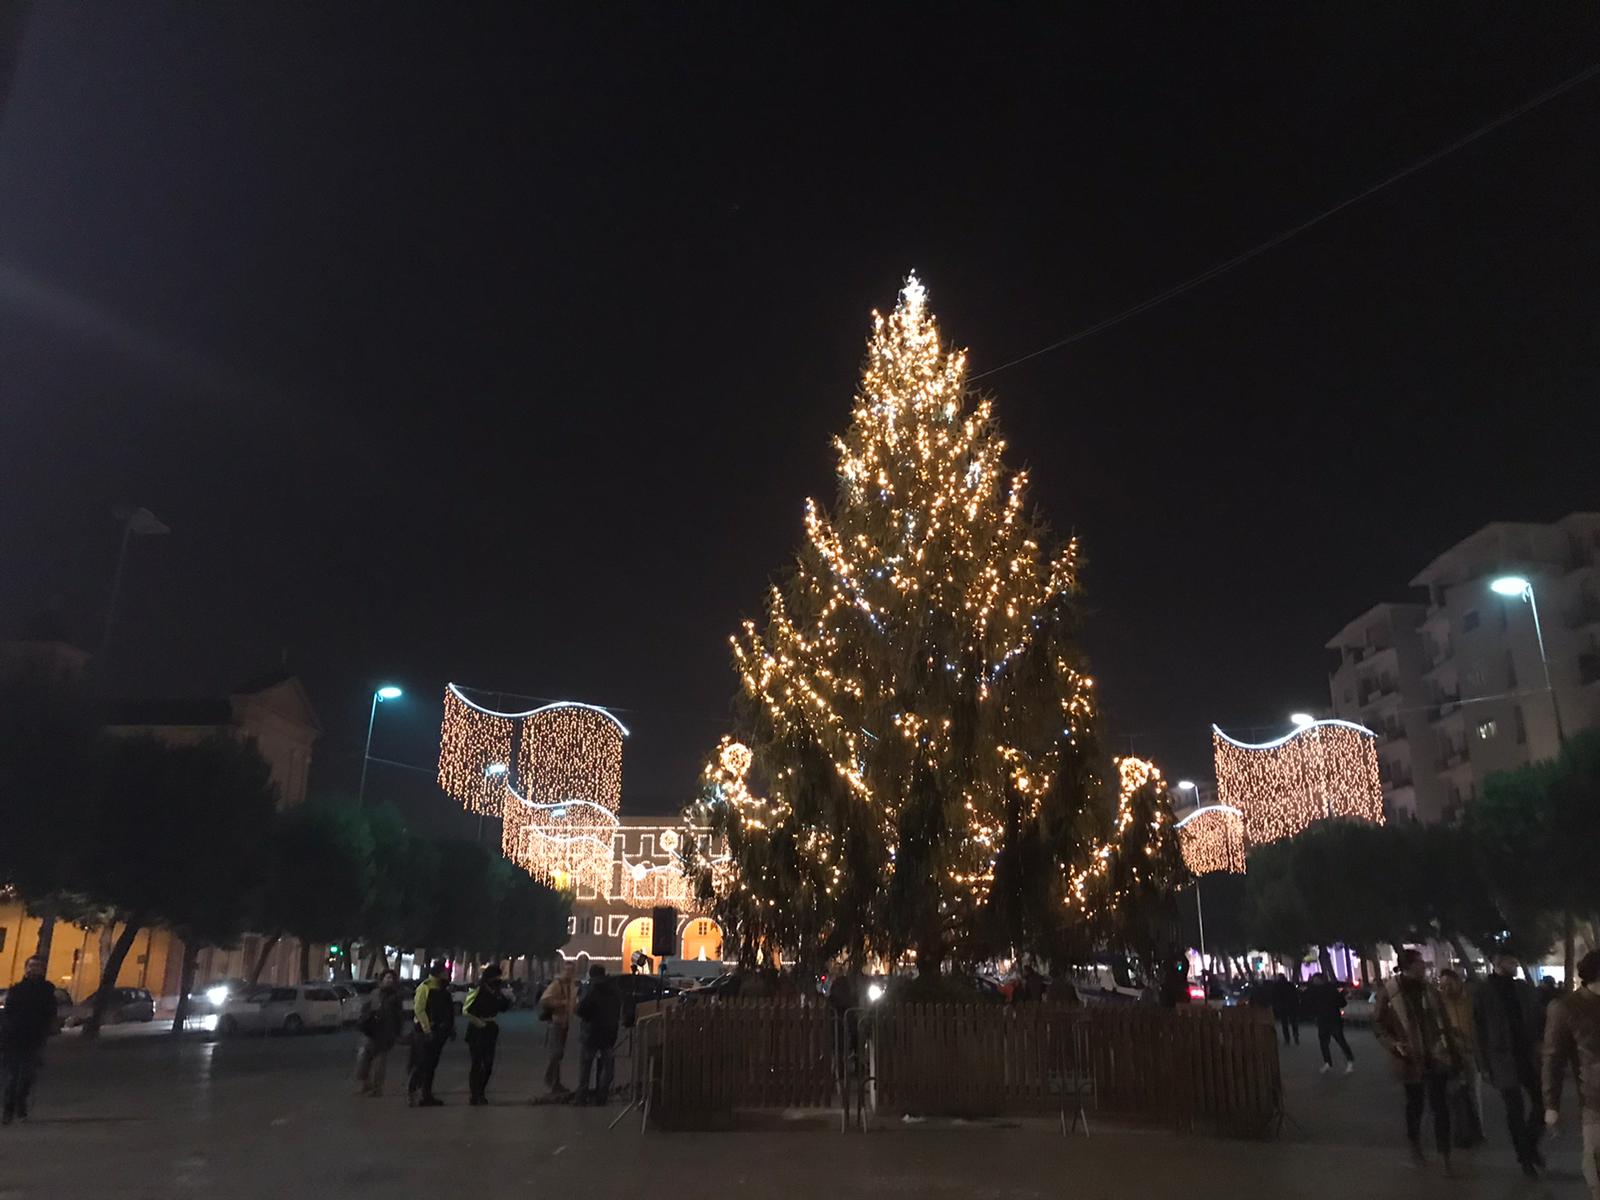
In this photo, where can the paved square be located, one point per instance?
(137, 1116)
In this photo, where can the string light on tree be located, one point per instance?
(1322, 769)
(914, 698)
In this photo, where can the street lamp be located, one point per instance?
(1517, 585)
(1301, 720)
(1188, 785)
(387, 692)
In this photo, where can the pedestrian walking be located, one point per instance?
(26, 1023)
(600, 1012)
(1324, 1002)
(1286, 1007)
(1510, 1031)
(557, 1005)
(436, 1024)
(1408, 1019)
(379, 1026)
(1572, 1042)
(483, 1006)
(1466, 1114)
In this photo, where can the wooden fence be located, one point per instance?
(1196, 1068)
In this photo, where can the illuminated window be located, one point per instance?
(599, 925)
(1486, 729)
(572, 926)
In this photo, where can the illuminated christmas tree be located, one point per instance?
(915, 765)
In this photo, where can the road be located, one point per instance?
(143, 1117)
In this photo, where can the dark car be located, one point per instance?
(639, 989)
(126, 1004)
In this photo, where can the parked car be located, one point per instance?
(126, 1005)
(281, 1010)
(639, 989)
(64, 1006)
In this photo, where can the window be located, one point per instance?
(1469, 620)
(320, 994)
(2, 937)
(572, 926)
(1486, 729)
(281, 996)
(599, 925)
(1520, 726)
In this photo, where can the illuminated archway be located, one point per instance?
(702, 940)
(636, 936)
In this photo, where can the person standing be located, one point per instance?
(600, 1011)
(380, 1030)
(1466, 1121)
(1324, 1002)
(436, 1024)
(559, 1002)
(1510, 1028)
(26, 1023)
(1409, 1022)
(1286, 1007)
(482, 1009)
(1572, 1041)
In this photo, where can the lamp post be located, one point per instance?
(1186, 785)
(494, 770)
(1518, 586)
(387, 692)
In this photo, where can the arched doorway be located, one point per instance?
(702, 940)
(636, 936)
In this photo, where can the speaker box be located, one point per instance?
(664, 932)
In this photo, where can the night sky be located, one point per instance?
(504, 347)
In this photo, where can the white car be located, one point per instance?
(268, 1009)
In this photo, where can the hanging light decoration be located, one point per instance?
(1322, 769)
(474, 753)
(1212, 839)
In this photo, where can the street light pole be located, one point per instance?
(1516, 585)
(1185, 785)
(387, 692)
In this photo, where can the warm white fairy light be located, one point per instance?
(1324, 769)
(474, 753)
(1086, 886)
(1212, 839)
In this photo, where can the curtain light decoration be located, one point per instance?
(474, 753)
(1324, 769)
(1212, 839)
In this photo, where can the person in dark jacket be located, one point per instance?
(28, 1020)
(1510, 1032)
(380, 1030)
(1572, 1045)
(483, 1006)
(1409, 1021)
(600, 1011)
(436, 1025)
(1324, 1003)
(1286, 1007)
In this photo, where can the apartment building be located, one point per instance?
(1453, 683)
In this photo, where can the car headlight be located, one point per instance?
(217, 995)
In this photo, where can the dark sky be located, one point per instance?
(503, 347)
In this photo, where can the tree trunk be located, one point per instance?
(1325, 961)
(191, 960)
(47, 933)
(373, 951)
(109, 971)
(262, 955)
(305, 960)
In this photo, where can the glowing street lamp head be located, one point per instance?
(1186, 785)
(1301, 720)
(389, 692)
(496, 769)
(1511, 585)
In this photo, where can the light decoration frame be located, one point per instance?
(1323, 770)
(1212, 840)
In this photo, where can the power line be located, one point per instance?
(1237, 260)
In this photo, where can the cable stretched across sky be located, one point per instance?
(1222, 268)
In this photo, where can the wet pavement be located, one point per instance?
(142, 1116)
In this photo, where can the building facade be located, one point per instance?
(1454, 684)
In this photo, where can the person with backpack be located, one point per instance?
(379, 1026)
(483, 1006)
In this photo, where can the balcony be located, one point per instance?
(1453, 758)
